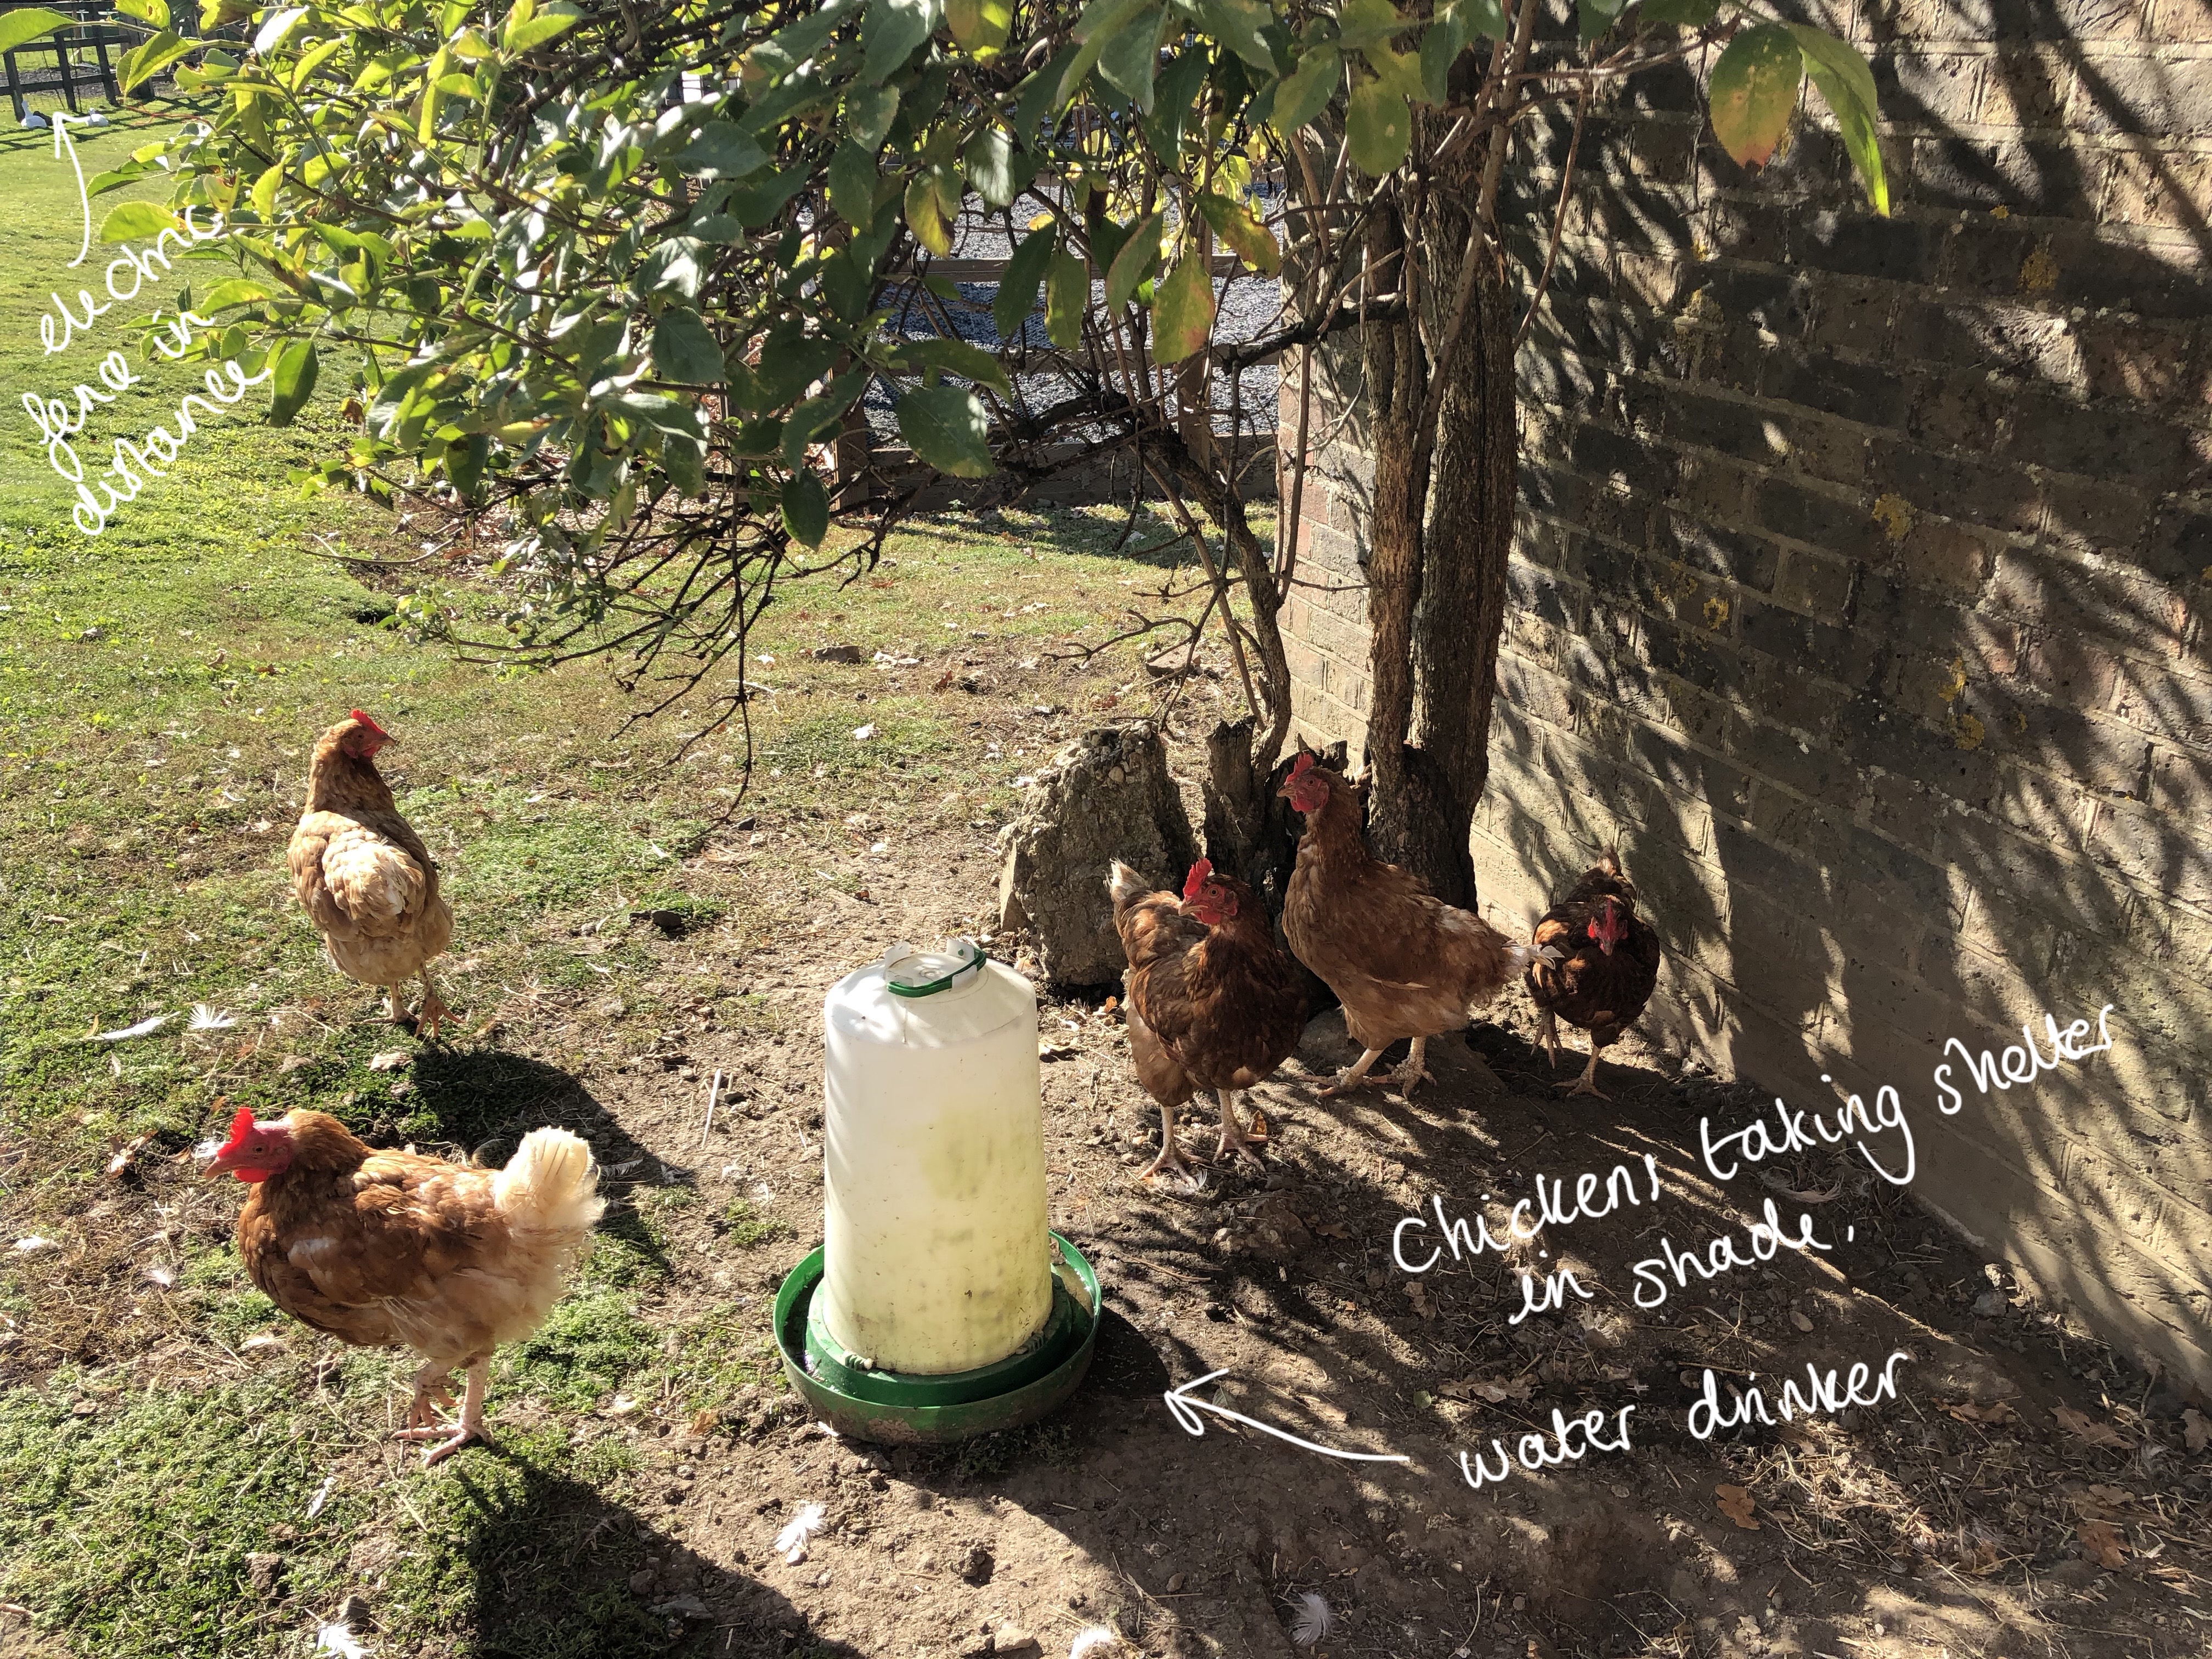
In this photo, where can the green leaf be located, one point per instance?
(989, 163)
(805, 508)
(1237, 25)
(550, 23)
(852, 178)
(1131, 58)
(1486, 17)
(970, 363)
(1040, 94)
(1367, 22)
(148, 58)
(759, 203)
(1240, 228)
(1307, 89)
(1182, 313)
(1018, 287)
(296, 369)
(1688, 14)
(233, 291)
(1066, 298)
(155, 13)
(685, 460)
(1446, 37)
(891, 31)
(947, 426)
(132, 221)
(20, 28)
(979, 25)
(1398, 71)
(1102, 22)
(1173, 94)
(1754, 91)
(684, 349)
(1378, 128)
(1133, 262)
(1596, 16)
(720, 151)
(1846, 85)
(869, 112)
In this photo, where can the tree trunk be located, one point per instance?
(1424, 805)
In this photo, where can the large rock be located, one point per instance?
(1107, 796)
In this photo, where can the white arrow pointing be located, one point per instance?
(64, 142)
(1185, 1411)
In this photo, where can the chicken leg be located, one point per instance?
(1587, 1083)
(1547, 1037)
(471, 1426)
(1233, 1143)
(433, 1010)
(1354, 1077)
(433, 1388)
(1410, 1070)
(1175, 1170)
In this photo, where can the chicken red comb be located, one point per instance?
(360, 719)
(240, 1126)
(1302, 765)
(1200, 873)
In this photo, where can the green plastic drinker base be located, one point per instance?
(867, 1404)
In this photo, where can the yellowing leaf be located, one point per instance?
(979, 25)
(1240, 228)
(925, 218)
(1754, 91)
(2089, 1431)
(1182, 315)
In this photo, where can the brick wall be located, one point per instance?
(1862, 597)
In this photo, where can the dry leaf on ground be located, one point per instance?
(2087, 1429)
(2195, 1429)
(2101, 1542)
(1735, 1504)
(1996, 1411)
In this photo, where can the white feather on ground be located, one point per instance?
(791, 1540)
(337, 1639)
(144, 1028)
(207, 1018)
(1312, 1620)
(1096, 1639)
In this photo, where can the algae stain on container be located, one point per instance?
(935, 1252)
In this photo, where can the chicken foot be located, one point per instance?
(1173, 1169)
(1410, 1070)
(1587, 1083)
(1354, 1077)
(471, 1424)
(1547, 1037)
(434, 1012)
(1233, 1143)
(433, 1389)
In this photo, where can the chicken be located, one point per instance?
(390, 1250)
(1596, 964)
(366, 878)
(1213, 1002)
(1403, 962)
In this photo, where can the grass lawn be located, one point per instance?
(159, 689)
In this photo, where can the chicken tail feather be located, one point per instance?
(551, 1183)
(1124, 884)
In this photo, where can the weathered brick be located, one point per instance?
(1963, 409)
(1838, 523)
(1947, 557)
(2017, 339)
(2158, 97)
(1958, 487)
(2071, 670)
(2047, 177)
(2025, 89)
(1928, 88)
(2163, 189)
(2167, 854)
(2099, 441)
(1857, 245)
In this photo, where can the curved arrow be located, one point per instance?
(62, 141)
(1185, 1411)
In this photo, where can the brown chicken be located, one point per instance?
(367, 880)
(1403, 962)
(389, 1249)
(1596, 964)
(1213, 1002)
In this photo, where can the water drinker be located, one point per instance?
(941, 1303)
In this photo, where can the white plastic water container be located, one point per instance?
(936, 1236)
